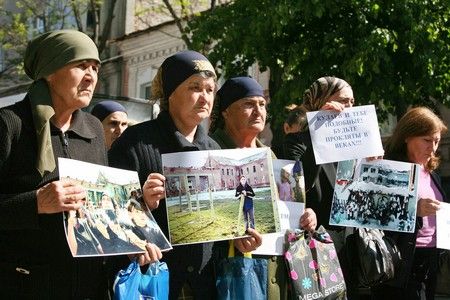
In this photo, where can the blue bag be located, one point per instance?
(131, 284)
(241, 278)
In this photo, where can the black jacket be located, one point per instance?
(140, 148)
(36, 243)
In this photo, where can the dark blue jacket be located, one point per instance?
(248, 200)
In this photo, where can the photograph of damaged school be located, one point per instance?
(379, 194)
(217, 195)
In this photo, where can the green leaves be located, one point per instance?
(393, 53)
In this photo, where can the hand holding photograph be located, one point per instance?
(114, 218)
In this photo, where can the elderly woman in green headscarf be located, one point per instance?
(35, 259)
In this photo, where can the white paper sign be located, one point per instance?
(350, 134)
(289, 213)
(443, 226)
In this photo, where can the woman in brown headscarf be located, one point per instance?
(35, 260)
(326, 93)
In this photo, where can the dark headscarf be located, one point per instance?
(103, 109)
(238, 88)
(320, 91)
(44, 55)
(174, 70)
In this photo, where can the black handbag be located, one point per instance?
(376, 256)
(443, 274)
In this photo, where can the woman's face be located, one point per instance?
(114, 125)
(73, 85)
(192, 100)
(420, 148)
(246, 116)
(343, 96)
(139, 217)
(243, 180)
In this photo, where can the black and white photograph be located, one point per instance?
(379, 194)
(114, 218)
(219, 194)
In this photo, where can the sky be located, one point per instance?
(198, 158)
(89, 172)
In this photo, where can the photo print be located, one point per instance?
(290, 182)
(114, 219)
(379, 194)
(218, 194)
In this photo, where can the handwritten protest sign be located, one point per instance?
(350, 134)
(443, 226)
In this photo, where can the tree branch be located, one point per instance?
(106, 27)
(76, 13)
(178, 23)
(96, 16)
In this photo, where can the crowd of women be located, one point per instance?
(35, 258)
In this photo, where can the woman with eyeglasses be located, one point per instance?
(326, 93)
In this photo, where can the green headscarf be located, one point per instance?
(45, 55)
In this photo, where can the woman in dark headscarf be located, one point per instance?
(240, 115)
(185, 85)
(35, 260)
(114, 118)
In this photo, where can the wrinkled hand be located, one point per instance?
(333, 105)
(308, 221)
(58, 196)
(152, 254)
(248, 244)
(154, 190)
(427, 207)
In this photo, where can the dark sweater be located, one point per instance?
(37, 243)
(140, 148)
